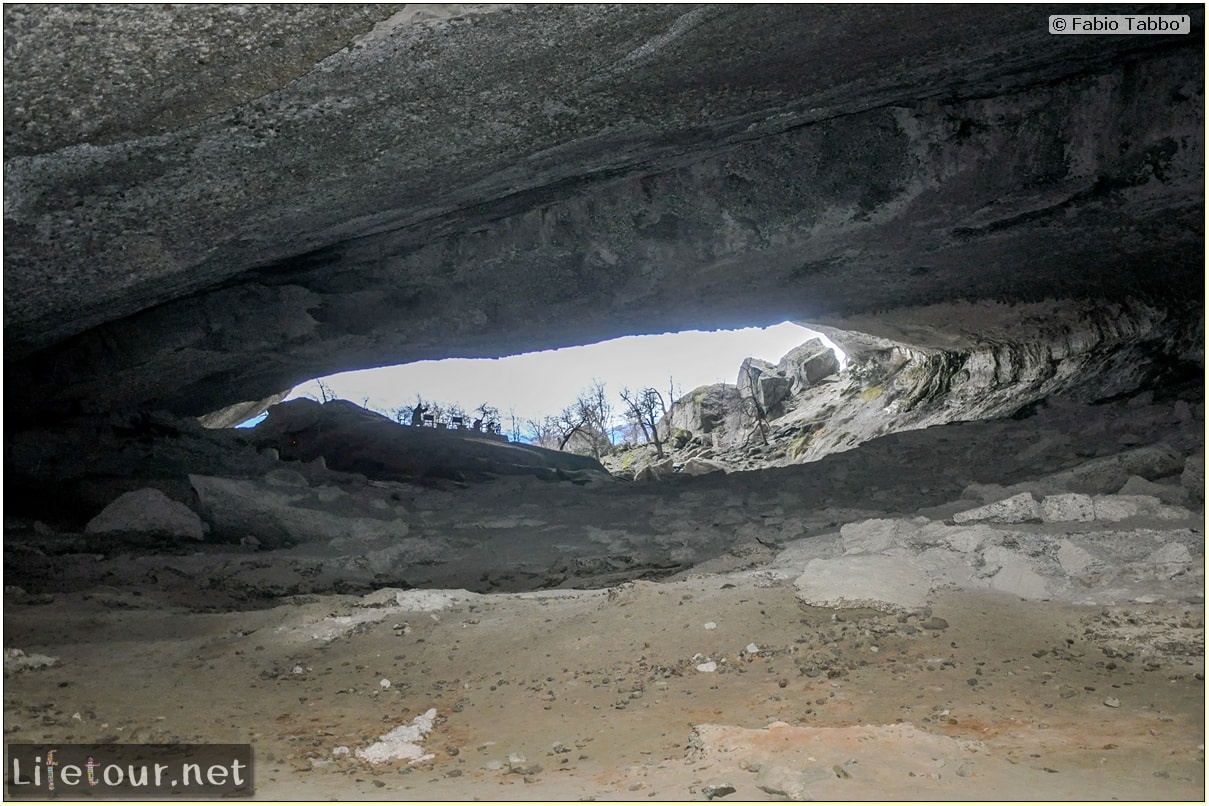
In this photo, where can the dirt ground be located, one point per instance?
(574, 695)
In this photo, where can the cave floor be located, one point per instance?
(570, 695)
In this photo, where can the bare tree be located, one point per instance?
(544, 433)
(587, 423)
(645, 408)
(674, 392)
(514, 431)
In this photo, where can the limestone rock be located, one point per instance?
(1171, 553)
(876, 581)
(1167, 493)
(1120, 507)
(238, 413)
(646, 474)
(808, 364)
(1067, 507)
(1108, 474)
(869, 537)
(285, 515)
(700, 467)
(1193, 476)
(763, 382)
(703, 411)
(1074, 559)
(1016, 574)
(1021, 508)
(148, 511)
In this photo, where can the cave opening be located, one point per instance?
(965, 557)
(519, 392)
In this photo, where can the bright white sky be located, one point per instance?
(538, 384)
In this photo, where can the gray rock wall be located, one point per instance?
(207, 235)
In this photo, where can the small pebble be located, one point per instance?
(1112, 702)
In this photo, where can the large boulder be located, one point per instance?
(707, 410)
(147, 512)
(808, 363)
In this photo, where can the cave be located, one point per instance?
(965, 563)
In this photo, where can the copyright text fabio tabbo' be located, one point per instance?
(1120, 24)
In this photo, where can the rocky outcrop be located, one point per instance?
(709, 411)
(238, 413)
(804, 407)
(381, 187)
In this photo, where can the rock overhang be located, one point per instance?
(485, 183)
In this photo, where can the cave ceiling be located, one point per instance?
(207, 205)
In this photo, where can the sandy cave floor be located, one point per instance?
(596, 694)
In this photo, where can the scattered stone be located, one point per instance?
(935, 623)
(1067, 507)
(384, 684)
(1020, 508)
(712, 791)
(708, 666)
(148, 511)
(1112, 702)
(15, 660)
(519, 765)
(709, 625)
(402, 742)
